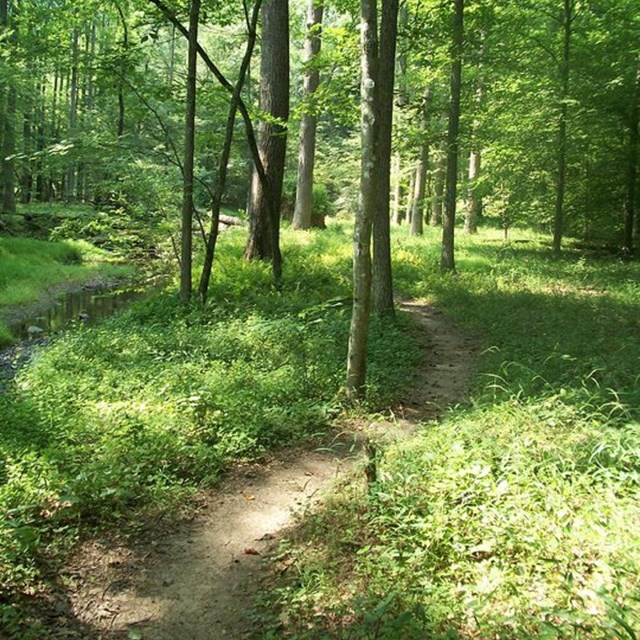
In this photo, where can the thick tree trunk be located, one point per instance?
(438, 192)
(224, 157)
(264, 204)
(447, 261)
(382, 276)
(359, 330)
(632, 171)
(561, 177)
(189, 153)
(417, 219)
(306, 158)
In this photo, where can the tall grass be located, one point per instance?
(516, 517)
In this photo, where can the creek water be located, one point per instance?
(88, 306)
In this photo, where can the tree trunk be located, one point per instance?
(306, 159)
(438, 191)
(382, 275)
(474, 201)
(8, 146)
(447, 261)
(189, 153)
(558, 218)
(224, 157)
(417, 220)
(408, 206)
(264, 204)
(123, 71)
(242, 107)
(359, 330)
(632, 170)
(397, 191)
(27, 175)
(71, 175)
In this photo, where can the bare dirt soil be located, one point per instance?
(197, 581)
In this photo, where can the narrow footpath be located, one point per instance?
(197, 582)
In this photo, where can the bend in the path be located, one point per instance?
(197, 583)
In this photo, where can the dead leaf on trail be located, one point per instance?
(248, 496)
(250, 551)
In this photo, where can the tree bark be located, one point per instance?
(408, 206)
(306, 158)
(632, 170)
(71, 175)
(474, 201)
(358, 333)
(125, 49)
(264, 204)
(561, 177)
(417, 216)
(189, 153)
(8, 147)
(438, 191)
(382, 273)
(397, 191)
(447, 261)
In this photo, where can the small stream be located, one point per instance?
(87, 306)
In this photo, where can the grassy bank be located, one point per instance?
(516, 517)
(31, 269)
(113, 425)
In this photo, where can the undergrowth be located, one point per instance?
(111, 425)
(515, 517)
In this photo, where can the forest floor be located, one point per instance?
(198, 580)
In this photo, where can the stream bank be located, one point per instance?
(86, 302)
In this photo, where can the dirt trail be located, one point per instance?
(196, 583)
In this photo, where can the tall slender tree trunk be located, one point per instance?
(8, 151)
(8, 146)
(438, 191)
(632, 170)
(561, 176)
(408, 205)
(397, 190)
(189, 153)
(27, 175)
(264, 203)
(474, 201)
(306, 158)
(41, 136)
(172, 57)
(417, 219)
(71, 174)
(125, 53)
(382, 274)
(447, 261)
(359, 330)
